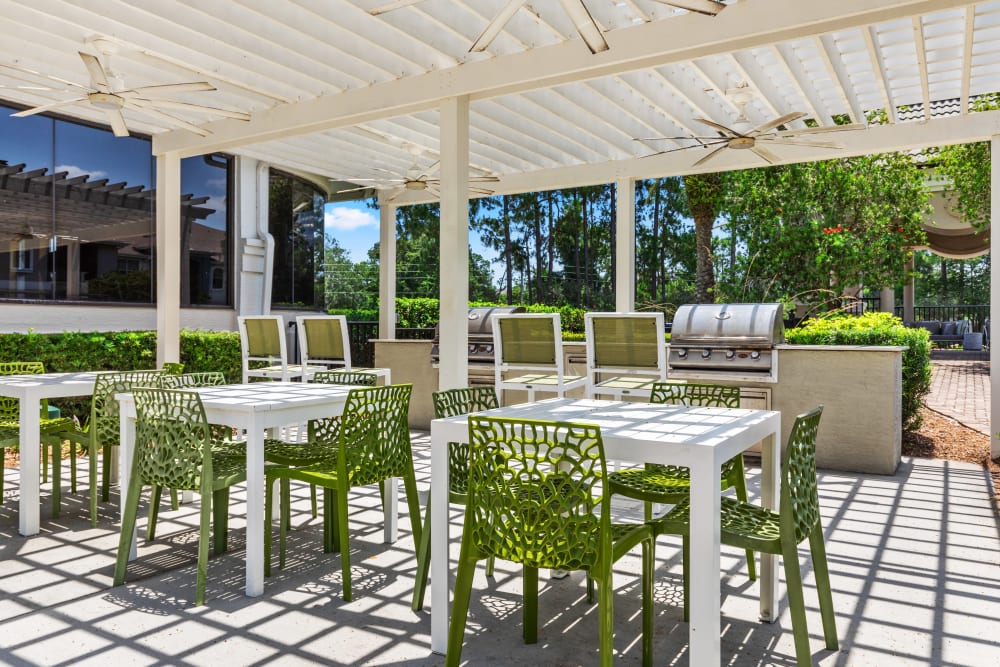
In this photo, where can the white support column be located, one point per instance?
(909, 291)
(625, 245)
(168, 258)
(994, 297)
(386, 269)
(454, 368)
(888, 299)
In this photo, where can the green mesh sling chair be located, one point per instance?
(450, 403)
(49, 430)
(263, 348)
(103, 429)
(173, 449)
(323, 342)
(671, 484)
(317, 446)
(626, 353)
(222, 436)
(371, 444)
(528, 352)
(536, 497)
(752, 527)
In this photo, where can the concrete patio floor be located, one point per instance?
(913, 558)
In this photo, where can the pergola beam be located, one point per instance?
(742, 26)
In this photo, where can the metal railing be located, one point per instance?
(360, 335)
(975, 313)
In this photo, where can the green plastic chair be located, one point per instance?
(370, 443)
(450, 403)
(172, 368)
(222, 436)
(536, 497)
(751, 527)
(671, 484)
(173, 449)
(358, 378)
(49, 430)
(103, 429)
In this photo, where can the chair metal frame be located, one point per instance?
(278, 367)
(629, 379)
(544, 375)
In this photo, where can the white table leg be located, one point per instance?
(255, 508)
(440, 565)
(390, 525)
(770, 493)
(126, 437)
(704, 559)
(29, 511)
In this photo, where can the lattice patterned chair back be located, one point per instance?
(357, 378)
(453, 402)
(799, 493)
(10, 408)
(374, 435)
(104, 413)
(173, 439)
(206, 379)
(700, 395)
(536, 493)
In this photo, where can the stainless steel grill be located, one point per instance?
(480, 336)
(722, 338)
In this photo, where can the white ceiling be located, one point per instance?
(338, 92)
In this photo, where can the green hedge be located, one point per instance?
(424, 313)
(120, 350)
(878, 329)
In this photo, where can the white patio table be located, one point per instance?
(255, 408)
(30, 390)
(700, 438)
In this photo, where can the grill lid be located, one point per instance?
(728, 325)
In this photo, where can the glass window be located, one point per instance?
(77, 216)
(295, 220)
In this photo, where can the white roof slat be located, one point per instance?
(519, 113)
(660, 107)
(540, 153)
(599, 118)
(792, 61)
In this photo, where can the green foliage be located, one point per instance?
(204, 351)
(968, 167)
(878, 329)
(133, 286)
(823, 225)
(942, 281)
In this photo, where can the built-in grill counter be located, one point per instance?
(480, 348)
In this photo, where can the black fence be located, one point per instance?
(975, 313)
(360, 335)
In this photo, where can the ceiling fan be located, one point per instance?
(577, 11)
(414, 179)
(107, 91)
(742, 135)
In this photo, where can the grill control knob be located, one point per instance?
(755, 355)
(706, 354)
(682, 353)
(730, 354)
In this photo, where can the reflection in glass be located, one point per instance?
(77, 216)
(295, 219)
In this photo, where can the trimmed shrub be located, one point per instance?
(878, 329)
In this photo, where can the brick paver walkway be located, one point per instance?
(961, 390)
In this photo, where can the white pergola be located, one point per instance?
(335, 91)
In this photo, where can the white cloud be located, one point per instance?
(72, 171)
(349, 219)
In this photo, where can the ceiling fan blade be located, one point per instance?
(46, 88)
(46, 107)
(395, 194)
(376, 180)
(392, 6)
(429, 170)
(184, 106)
(821, 130)
(710, 155)
(96, 70)
(585, 25)
(171, 89)
(481, 191)
(496, 25)
(721, 128)
(167, 118)
(358, 189)
(780, 120)
(385, 171)
(770, 157)
(25, 70)
(484, 179)
(792, 141)
(117, 122)
(707, 7)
